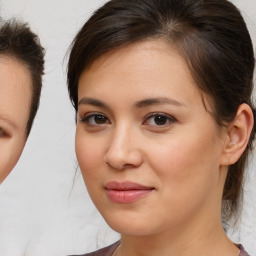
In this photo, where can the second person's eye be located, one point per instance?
(2, 133)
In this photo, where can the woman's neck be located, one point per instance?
(200, 241)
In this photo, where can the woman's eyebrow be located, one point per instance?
(91, 101)
(156, 101)
(139, 104)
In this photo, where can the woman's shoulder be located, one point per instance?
(242, 251)
(106, 251)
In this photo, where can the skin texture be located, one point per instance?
(15, 98)
(184, 160)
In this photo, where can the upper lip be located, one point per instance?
(126, 185)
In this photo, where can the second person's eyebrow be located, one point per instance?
(7, 120)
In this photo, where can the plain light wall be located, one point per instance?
(44, 207)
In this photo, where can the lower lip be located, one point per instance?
(126, 196)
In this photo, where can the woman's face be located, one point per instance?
(148, 149)
(15, 98)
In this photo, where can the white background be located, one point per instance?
(44, 207)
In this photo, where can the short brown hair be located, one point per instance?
(17, 40)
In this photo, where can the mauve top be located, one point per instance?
(109, 250)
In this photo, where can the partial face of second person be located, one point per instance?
(149, 151)
(15, 99)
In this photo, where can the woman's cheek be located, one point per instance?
(88, 154)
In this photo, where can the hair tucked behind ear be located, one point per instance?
(210, 35)
(234, 182)
(254, 126)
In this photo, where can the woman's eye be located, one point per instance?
(95, 119)
(159, 120)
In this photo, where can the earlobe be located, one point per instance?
(239, 131)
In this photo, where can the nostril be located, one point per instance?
(123, 160)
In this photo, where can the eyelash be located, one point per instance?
(86, 119)
(166, 118)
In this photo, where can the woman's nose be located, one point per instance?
(123, 151)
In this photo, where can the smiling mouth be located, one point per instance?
(126, 192)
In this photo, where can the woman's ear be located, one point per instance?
(239, 131)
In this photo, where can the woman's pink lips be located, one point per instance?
(126, 192)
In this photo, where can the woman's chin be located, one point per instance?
(132, 227)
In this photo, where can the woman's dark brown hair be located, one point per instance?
(18, 41)
(210, 35)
